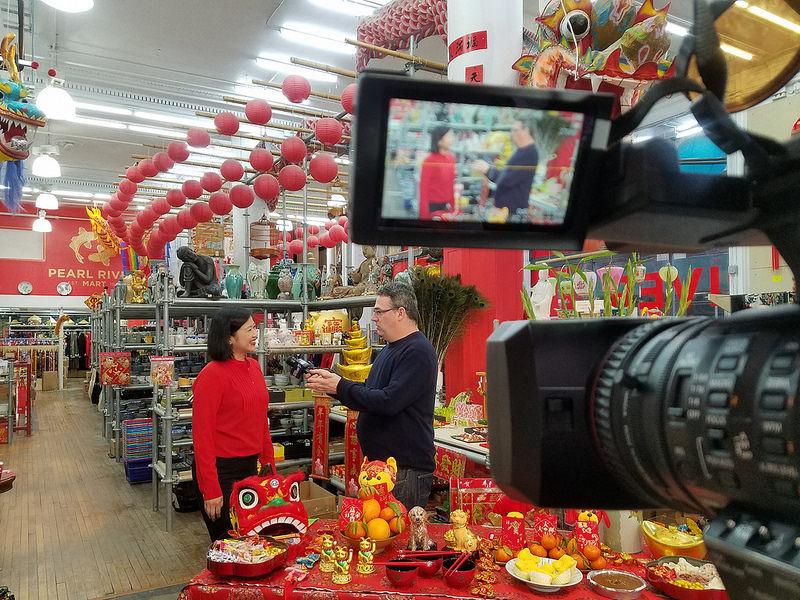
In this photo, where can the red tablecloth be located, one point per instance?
(318, 585)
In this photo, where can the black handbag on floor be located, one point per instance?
(186, 497)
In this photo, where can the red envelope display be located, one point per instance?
(351, 510)
(476, 497)
(320, 467)
(544, 523)
(352, 455)
(115, 368)
(513, 533)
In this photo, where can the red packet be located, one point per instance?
(475, 496)
(319, 449)
(586, 533)
(449, 464)
(352, 455)
(513, 533)
(115, 368)
(544, 523)
(351, 510)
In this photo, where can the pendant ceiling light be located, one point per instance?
(46, 166)
(71, 6)
(55, 102)
(42, 225)
(47, 201)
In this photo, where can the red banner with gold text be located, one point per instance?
(352, 455)
(319, 449)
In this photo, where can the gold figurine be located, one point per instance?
(366, 554)
(341, 568)
(327, 556)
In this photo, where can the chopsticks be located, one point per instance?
(401, 563)
(428, 554)
(458, 562)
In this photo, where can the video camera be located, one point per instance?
(696, 414)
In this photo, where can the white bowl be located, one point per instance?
(576, 577)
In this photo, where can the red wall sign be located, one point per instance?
(476, 40)
(474, 74)
(70, 253)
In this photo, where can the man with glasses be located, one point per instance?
(396, 401)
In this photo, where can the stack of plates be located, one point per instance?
(281, 380)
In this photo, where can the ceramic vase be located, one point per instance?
(233, 282)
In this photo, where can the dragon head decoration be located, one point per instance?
(608, 45)
(378, 476)
(268, 506)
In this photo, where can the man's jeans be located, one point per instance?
(413, 488)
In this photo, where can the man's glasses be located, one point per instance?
(382, 311)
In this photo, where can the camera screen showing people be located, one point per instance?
(465, 162)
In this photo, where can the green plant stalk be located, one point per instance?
(684, 302)
(527, 305)
(608, 283)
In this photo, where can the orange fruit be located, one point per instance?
(580, 563)
(397, 525)
(387, 514)
(548, 541)
(378, 529)
(556, 553)
(537, 550)
(503, 554)
(600, 563)
(572, 546)
(591, 552)
(372, 509)
(356, 530)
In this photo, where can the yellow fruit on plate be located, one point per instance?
(372, 509)
(516, 515)
(565, 563)
(378, 529)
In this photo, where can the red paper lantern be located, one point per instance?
(266, 187)
(349, 98)
(148, 168)
(202, 212)
(232, 170)
(161, 206)
(171, 226)
(242, 196)
(323, 168)
(343, 221)
(163, 162)
(261, 160)
(220, 203)
(185, 219)
(198, 138)
(328, 130)
(292, 178)
(293, 149)
(313, 229)
(117, 205)
(178, 151)
(329, 224)
(211, 182)
(298, 232)
(112, 212)
(155, 248)
(337, 233)
(296, 88)
(289, 236)
(176, 198)
(134, 174)
(125, 198)
(296, 247)
(325, 240)
(136, 230)
(143, 218)
(312, 241)
(226, 123)
(192, 189)
(258, 111)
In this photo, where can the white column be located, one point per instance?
(738, 257)
(499, 24)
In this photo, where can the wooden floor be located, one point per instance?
(73, 527)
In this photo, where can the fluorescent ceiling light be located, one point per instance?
(676, 29)
(47, 201)
(188, 170)
(638, 139)
(687, 123)
(322, 39)
(102, 196)
(284, 225)
(71, 6)
(274, 62)
(337, 200)
(172, 119)
(103, 108)
(157, 131)
(46, 166)
(42, 225)
(342, 160)
(55, 102)
(71, 193)
(355, 9)
(689, 132)
(771, 17)
(97, 122)
(737, 52)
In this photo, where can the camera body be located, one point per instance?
(299, 367)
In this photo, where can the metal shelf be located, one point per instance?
(299, 462)
(202, 348)
(337, 483)
(180, 476)
(139, 346)
(338, 416)
(177, 416)
(133, 386)
(354, 302)
(269, 305)
(281, 406)
(284, 350)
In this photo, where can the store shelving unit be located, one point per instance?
(8, 408)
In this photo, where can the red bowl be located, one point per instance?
(677, 592)
(461, 577)
(402, 577)
(431, 567)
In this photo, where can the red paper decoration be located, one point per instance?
(232, 170)
(349, 98)
(134, 174)
(144, 218)
(171, 226)
(220, 203)
(163, 162)
(313, 229)
(161, 206)
(293, 149)
(298, 232)
(176, 198)
(323, 168)
(192, 189)
(201, 212)
(337, 233)
(343, 221)
(328, 131)
(296, 88)
(325, 240)
(242, 196)
(258, 111)
(312, 241)
(292, 178)
(112, 212)
(211, 182)
(226, 123)
(296, 247)
(117, 206)
(148, 168)
(266, 187)
(136, 230)
(261, 160)
(329, 224)
(186, 220)
(178, 151)
(198, 138)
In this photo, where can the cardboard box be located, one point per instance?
(319, 503)
(49, 381)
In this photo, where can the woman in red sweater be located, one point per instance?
(437, 177)
(230, 428)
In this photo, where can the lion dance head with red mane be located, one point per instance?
(268, 506)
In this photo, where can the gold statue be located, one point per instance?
(366, 554)
(327, 556)
(341, 568)
(459, 537)
(137, 286)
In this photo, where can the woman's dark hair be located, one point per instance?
(224, 324)
(436, 136)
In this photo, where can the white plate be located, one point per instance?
(24, 287)
(577, 577)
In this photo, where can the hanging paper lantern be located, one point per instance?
(163, 162)
(349, 98)
(337, 233)
(192, 189)
(323, 168)
(343, 221)
(161, 206)
(220, 203)
(242, 196)
(134, 175)
(258, 111)
(198, 138)
(202, 212)
(325, 240)
(125, 198)
(211, 182)
(117, 205)
(261, 160)
(293, 149)
(171, 226)
(185, 219)
(312, 241)
(178, 151)
(298, 232)
(226, 123)
(296, 247)
(146, 218)
(329, 224)
(155, 248)
(292, 178)
(296, 88)
(328, 131)
(266, 187)
(176, 198)
(313, 229)
(232, 170)
(136, 230)
(112, 212)
(148, 168)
